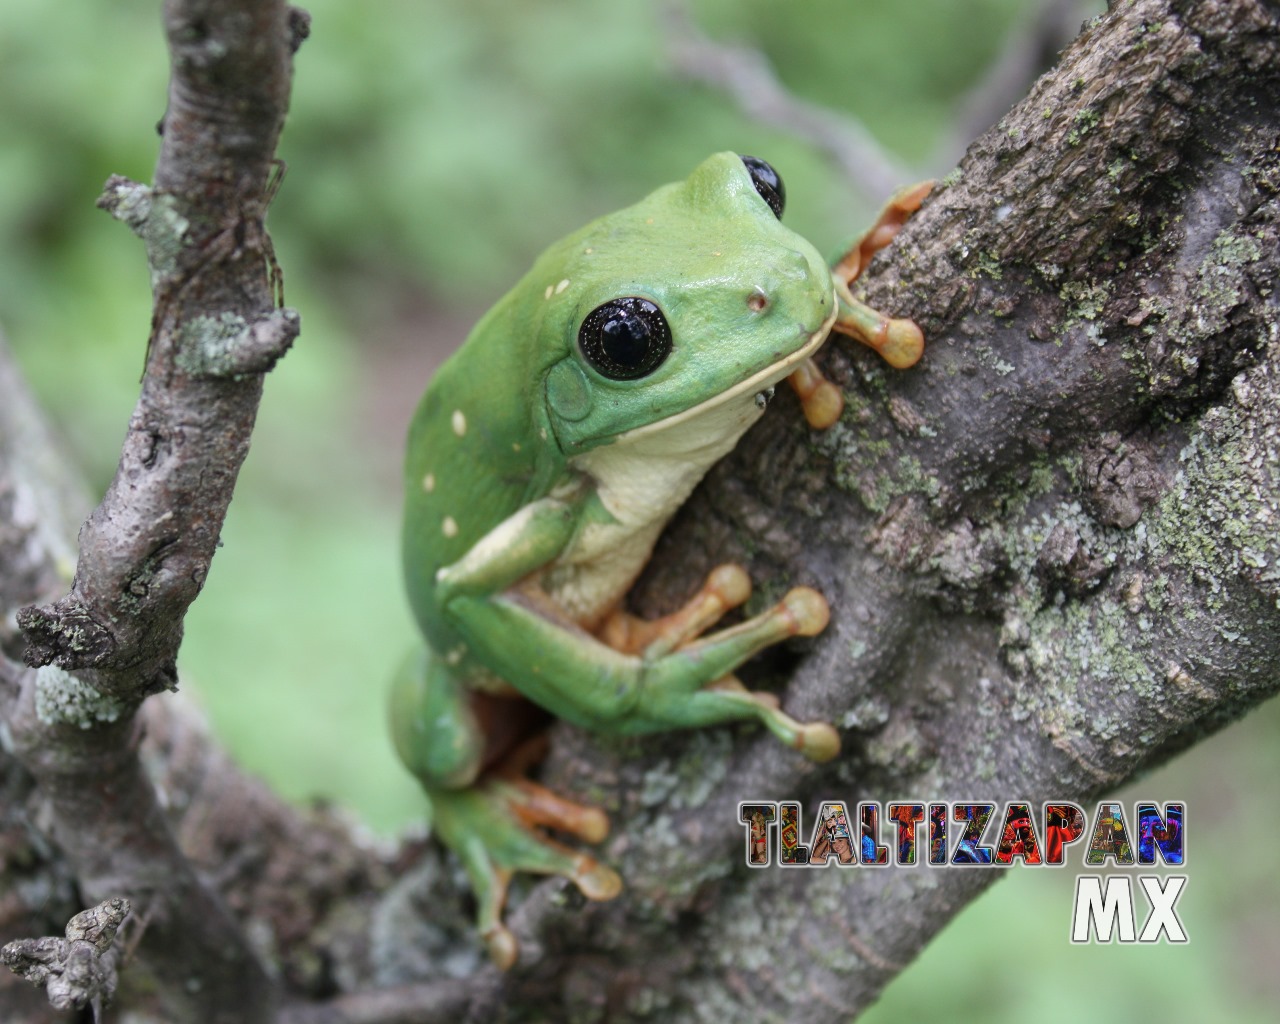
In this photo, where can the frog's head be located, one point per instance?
(694, 298)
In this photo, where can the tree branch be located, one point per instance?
(1030, 48)
(78, 970)
(747, 77)
(145, 551)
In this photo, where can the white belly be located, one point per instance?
(641, 480)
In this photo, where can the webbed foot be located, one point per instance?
(495, 828)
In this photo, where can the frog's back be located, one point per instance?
(470, 462)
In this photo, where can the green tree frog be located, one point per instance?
(543, 461)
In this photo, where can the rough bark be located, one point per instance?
(145, 549)
(1050, 551)
(1050, 548)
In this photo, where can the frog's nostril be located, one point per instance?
(757, 301)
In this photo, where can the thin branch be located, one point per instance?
(42, 503)
(145, 551)
(1029, 49)
(78, 970)
(746, 75)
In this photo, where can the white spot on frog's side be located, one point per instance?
(429, 482)
(542, 433)
(515, 446)
(449, 527)
(455, 655)
(459, 422)
(547, 293)
(562, 285)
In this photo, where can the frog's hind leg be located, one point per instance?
(470, 751)
(492, 829)
(728, 700)
(434, 725)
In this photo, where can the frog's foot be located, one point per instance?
(818, 741)
(899, 342)
(897, 210)
(821, 400)
(669, 702)
(726, 587)
(493, 827)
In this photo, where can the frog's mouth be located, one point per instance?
(760, 384)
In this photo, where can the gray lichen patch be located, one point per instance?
(152, 216)
(1085, 301)
(1220, 518)
(128, 201)
(210, 345)
(1222, 284)
(62, 699)
(165, 232)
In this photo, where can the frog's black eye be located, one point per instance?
(625, 339)
(768, 183)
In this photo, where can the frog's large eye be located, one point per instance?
(768, 183)
(625, 339)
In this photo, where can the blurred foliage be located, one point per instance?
(434, 149)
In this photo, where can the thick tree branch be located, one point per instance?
(1030, 48)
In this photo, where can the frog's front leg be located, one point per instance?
(726, 587)
(578, 678)
(897, 211)
(898, 341)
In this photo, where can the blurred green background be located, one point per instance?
(433, 150)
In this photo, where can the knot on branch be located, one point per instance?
(127, 201)
(64, 634)
(154, 216)
(1121, 479)
(80, 969)
(299, 28)
(229, 346)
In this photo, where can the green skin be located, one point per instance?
(519, 461)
